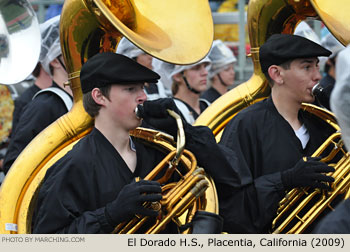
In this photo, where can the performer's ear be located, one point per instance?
(276, 74)
(98, 97)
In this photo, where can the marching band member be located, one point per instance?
(274, 139)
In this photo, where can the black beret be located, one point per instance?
(280, 48)
(108, 68)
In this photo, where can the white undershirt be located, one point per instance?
(132, 145)
(303, 135)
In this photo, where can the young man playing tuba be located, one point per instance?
(274, 139)
(92, 188)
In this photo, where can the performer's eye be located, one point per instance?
(130, 89)
(307, 67)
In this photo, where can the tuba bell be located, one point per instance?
(18, 23)
(88, 27)
(267, 17)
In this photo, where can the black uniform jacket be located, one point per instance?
(264, 145)
(77, 188)
(211, 94)
(46, 108)
(21, 102)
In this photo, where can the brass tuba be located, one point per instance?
(182, 198)
(267, 17)
(19, 38)
(89, 27)
(301, 207)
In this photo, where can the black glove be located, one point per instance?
(155, 114)
(130, 199)
(307, 173)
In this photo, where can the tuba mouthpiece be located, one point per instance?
(137, 112)
(317, 90)
(321, 95)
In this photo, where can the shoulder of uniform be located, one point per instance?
(252, 110)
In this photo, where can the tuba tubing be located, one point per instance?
(179, 196)
(295, 214)
(188, 194)
(297, 200)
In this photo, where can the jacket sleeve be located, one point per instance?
(19, 105)
(248, 206)
(63, 200)
(215, 159)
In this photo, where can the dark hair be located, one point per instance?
(175, 87)
(51, 69)
(328, 66)
(285, 66)
(36, 71)
(90, 106)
